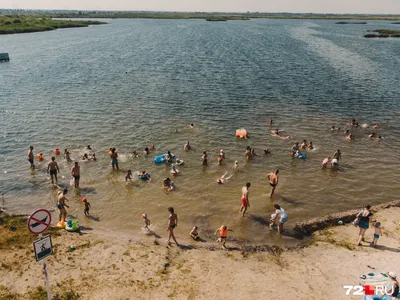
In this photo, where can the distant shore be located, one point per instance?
(383, 33)
(192, 15)
(26, 24)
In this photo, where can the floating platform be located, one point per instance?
(4, 57)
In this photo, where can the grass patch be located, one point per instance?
(38, 293)
(24, 24)
(6, 294)
(15, 234)
(329, 237)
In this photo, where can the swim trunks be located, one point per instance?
(60, 206)
(273, 185)
(114, 161)
(376, 236)
(30, 160)
(173, 226)
(364, 224)
(244, 202)
(53, 172)
(77, 177)
(222, 237)
(283, 219)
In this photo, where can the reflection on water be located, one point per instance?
(137, 82)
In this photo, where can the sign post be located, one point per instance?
(38, 223)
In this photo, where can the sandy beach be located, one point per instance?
(118, 267)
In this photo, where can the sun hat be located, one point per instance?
(392, 274)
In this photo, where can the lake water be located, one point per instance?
(133, 83)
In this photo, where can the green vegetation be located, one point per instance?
(14, 233)
(383, 33)
(22, 24)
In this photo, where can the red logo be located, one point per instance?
(369, 290)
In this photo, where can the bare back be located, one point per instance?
(245, 192)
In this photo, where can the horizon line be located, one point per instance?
(198, 12)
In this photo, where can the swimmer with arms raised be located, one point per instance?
(222, 179)
(277, 133)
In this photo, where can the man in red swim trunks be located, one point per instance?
(245, 199)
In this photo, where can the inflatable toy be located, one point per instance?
(241, 133)
(72, 226)
(162, 158)
(61, 224)
(144, 177)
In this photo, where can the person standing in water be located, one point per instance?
(204, 158)
(273, 181)
(337, 155)
(61, 204)
(114, 159)
(279, 218)
(76, 173)
(245, 199)
(53, 168)
(295, 148)
(172, 223)
(30, 157)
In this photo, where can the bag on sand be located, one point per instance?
(356, 221)
(72, 181)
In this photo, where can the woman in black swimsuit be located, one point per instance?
(172, 223)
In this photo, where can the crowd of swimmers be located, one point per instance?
(277, 220)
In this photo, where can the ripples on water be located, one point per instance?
(135, 82)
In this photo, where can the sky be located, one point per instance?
(302, 6)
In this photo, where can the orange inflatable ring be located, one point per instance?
(57, 151)
(241, 133)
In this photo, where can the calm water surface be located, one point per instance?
(135, 82)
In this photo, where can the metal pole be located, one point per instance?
(45, 276)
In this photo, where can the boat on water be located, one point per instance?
(4, 57)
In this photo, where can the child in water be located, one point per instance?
(85, 157)
(377, 233)
(174, 170)
(187, 146)
(128, 176)
(223, 234)
(146, 221)
(94, 157)
(87, 207)
(67, 157)
(194, 234)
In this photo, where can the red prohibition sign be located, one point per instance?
(39, 221)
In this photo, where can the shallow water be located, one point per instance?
(135, 82)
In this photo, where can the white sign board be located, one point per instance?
(39, 221)
(43, 247)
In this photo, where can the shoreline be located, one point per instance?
(122, 269)
(295, 236)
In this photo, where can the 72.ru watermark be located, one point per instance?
(379, 290)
